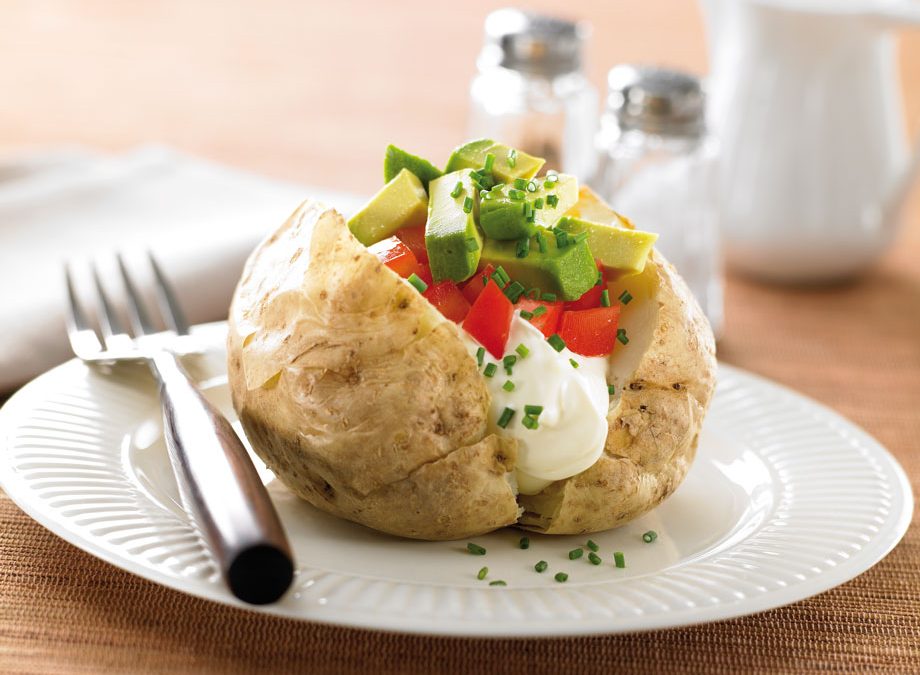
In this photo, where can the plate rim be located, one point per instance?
(881, 546)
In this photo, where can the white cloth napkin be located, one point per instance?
(199, 219)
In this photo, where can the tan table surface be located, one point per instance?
(313, 92)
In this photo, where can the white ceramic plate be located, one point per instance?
(786, 499)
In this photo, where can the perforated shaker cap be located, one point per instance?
(656, 100)
(532, 43)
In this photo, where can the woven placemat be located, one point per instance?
(856, 348)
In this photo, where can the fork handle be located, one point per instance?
(220, 487)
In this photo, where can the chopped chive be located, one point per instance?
(594, 558)
(562, 238)
(482, 573)
(528, 210)
(485, 279)
(619, 560)
(561, 577)
(530, 422)
(503, 274)
(527, 316)
(549, 297)
(576, 553)
(514, 291)
(621, 336)
(458, 190)
(524, 543)
(515, 195)
(475, 549)
(611, 389)
(508, 362)
(539, 310)
(649, 536)
(538, 203)
(512, 157)
(593, 546)
(490, 161)
(541, 566)
(487, 181)
(522, 350)
(541, 242)
(531, 187)
(476, 173)
(552, 200)
(505, 418)
(498, 279)
(508, 385)
(490, 370)
(533, 410)
(498, 186)
(605, 298)
(468, 205)
(574, 363)
(625, 297)
(600, 279)
(417, 282)
(472, 244)
(497, 582)
(522, 249)
(556, 342)
(520, 184)
(480, 355)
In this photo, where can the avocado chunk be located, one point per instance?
(514, 210)
(397, 159)
(625, 251)
(452, 237)
(568, 270)
(402, 202)
(472, 155)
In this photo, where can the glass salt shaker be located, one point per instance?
(657, 166)
(531, 93)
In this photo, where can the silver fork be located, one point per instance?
(217, 481)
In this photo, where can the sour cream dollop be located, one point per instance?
(573, 424)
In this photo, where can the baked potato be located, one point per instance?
(368, 403)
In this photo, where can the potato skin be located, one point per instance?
(654, 424)
(357, 393)
(365, 402)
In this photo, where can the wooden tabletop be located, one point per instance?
(313, 92)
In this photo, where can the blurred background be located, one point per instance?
(303, 97)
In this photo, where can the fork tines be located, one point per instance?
(116, 340)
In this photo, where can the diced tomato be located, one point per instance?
(424, 273)
(414, 238)
(396, 255)
(473, 286)
(489, 319)
(448, 300)
(548, 322)
(592, 297)
(590, 332)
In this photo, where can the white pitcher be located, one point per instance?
(804, 96)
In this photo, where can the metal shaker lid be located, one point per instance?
(532, 43)
(656, 100)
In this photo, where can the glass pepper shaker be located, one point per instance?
(531, 93)
(657, 165)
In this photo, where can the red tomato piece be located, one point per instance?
(590, 332)
(473, 286)
(414, 238)
(424, 273)
(489, 319)
(448, 300)
(548, 322)
(396, 255)
(592, 297)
